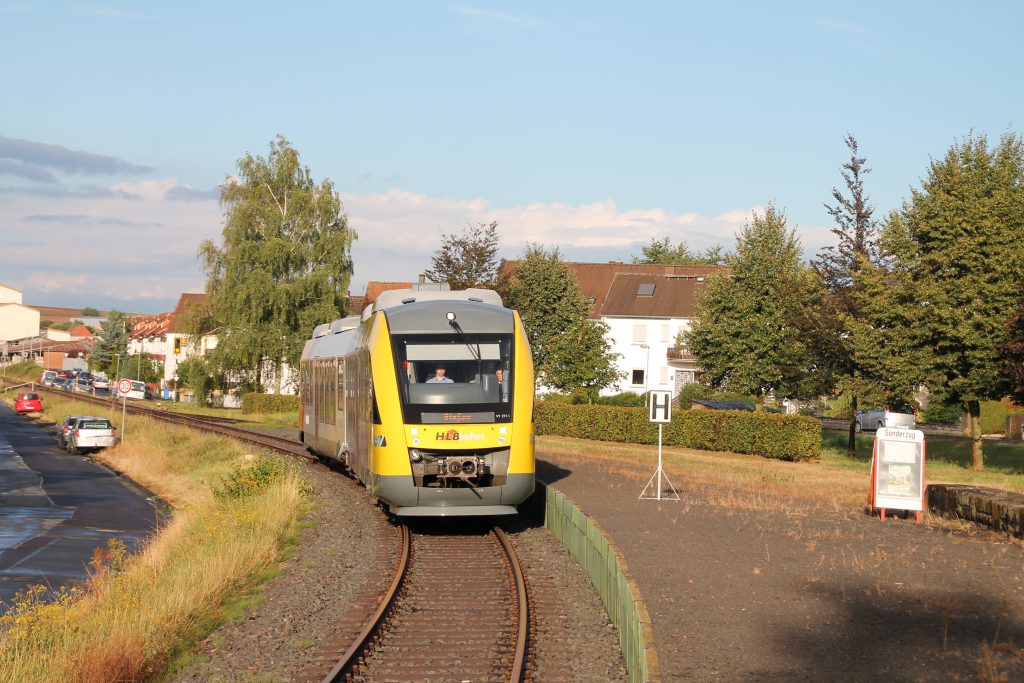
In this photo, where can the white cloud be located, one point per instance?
(399, 230)
(145, 248)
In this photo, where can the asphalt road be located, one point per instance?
(55, 508)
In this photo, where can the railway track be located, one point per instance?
(457, 607)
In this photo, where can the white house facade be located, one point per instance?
(645, 313)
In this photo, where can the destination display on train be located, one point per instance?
(456, 417)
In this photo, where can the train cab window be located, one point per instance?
(444, 379)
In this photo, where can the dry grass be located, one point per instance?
(729, 479)
(745, 482)
(137, 612)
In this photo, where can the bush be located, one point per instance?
(269, 403)
(626, 398)
(994, 414)
(247, 480)
(942, 414)
(786, 437)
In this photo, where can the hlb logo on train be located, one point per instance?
(455, 435)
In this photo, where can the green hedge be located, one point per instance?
(994, 414)
(269, 403)
(786, 437)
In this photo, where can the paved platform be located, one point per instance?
(742, 586)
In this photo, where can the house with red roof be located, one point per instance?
(645, 307)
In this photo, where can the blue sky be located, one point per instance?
(592, 126)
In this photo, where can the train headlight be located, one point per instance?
(415, 455)
(450, 315)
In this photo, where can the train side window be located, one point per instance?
(376, 410)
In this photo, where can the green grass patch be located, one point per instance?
(947, 459)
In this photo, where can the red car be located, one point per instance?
(28, 403)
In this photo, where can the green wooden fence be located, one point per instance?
(596, 553)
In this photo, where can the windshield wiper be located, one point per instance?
(465, 340)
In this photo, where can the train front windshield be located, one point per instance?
(446, 379)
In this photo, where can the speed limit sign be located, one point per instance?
(124, 386)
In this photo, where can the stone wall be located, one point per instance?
(1003, 510)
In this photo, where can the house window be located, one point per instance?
(639, 333)
(645, 289)
(638, 378)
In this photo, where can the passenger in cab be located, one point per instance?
(439, 377)
(499, 374)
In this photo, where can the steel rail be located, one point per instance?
(523, 627)
(358, 647)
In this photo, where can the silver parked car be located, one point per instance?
(91, 434)
(883, 417)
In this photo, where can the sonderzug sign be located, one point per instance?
(897, 470)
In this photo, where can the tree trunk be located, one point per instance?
(851, 446)
(974, 420)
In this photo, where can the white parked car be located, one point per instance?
(883, 417)
(91, 434)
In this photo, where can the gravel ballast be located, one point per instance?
(337, 560)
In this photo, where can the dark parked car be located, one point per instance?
(65, 427)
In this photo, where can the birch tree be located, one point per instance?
(282, 267)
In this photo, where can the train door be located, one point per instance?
(340, 399)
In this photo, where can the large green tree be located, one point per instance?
(468, 259)
(582, 359)
(884, 360)
(745, 333)
(569, 351)
(111, 343)
(283, 266)
(966, 224)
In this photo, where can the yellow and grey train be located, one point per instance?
(427, 397)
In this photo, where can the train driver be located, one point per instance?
(439, 377)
